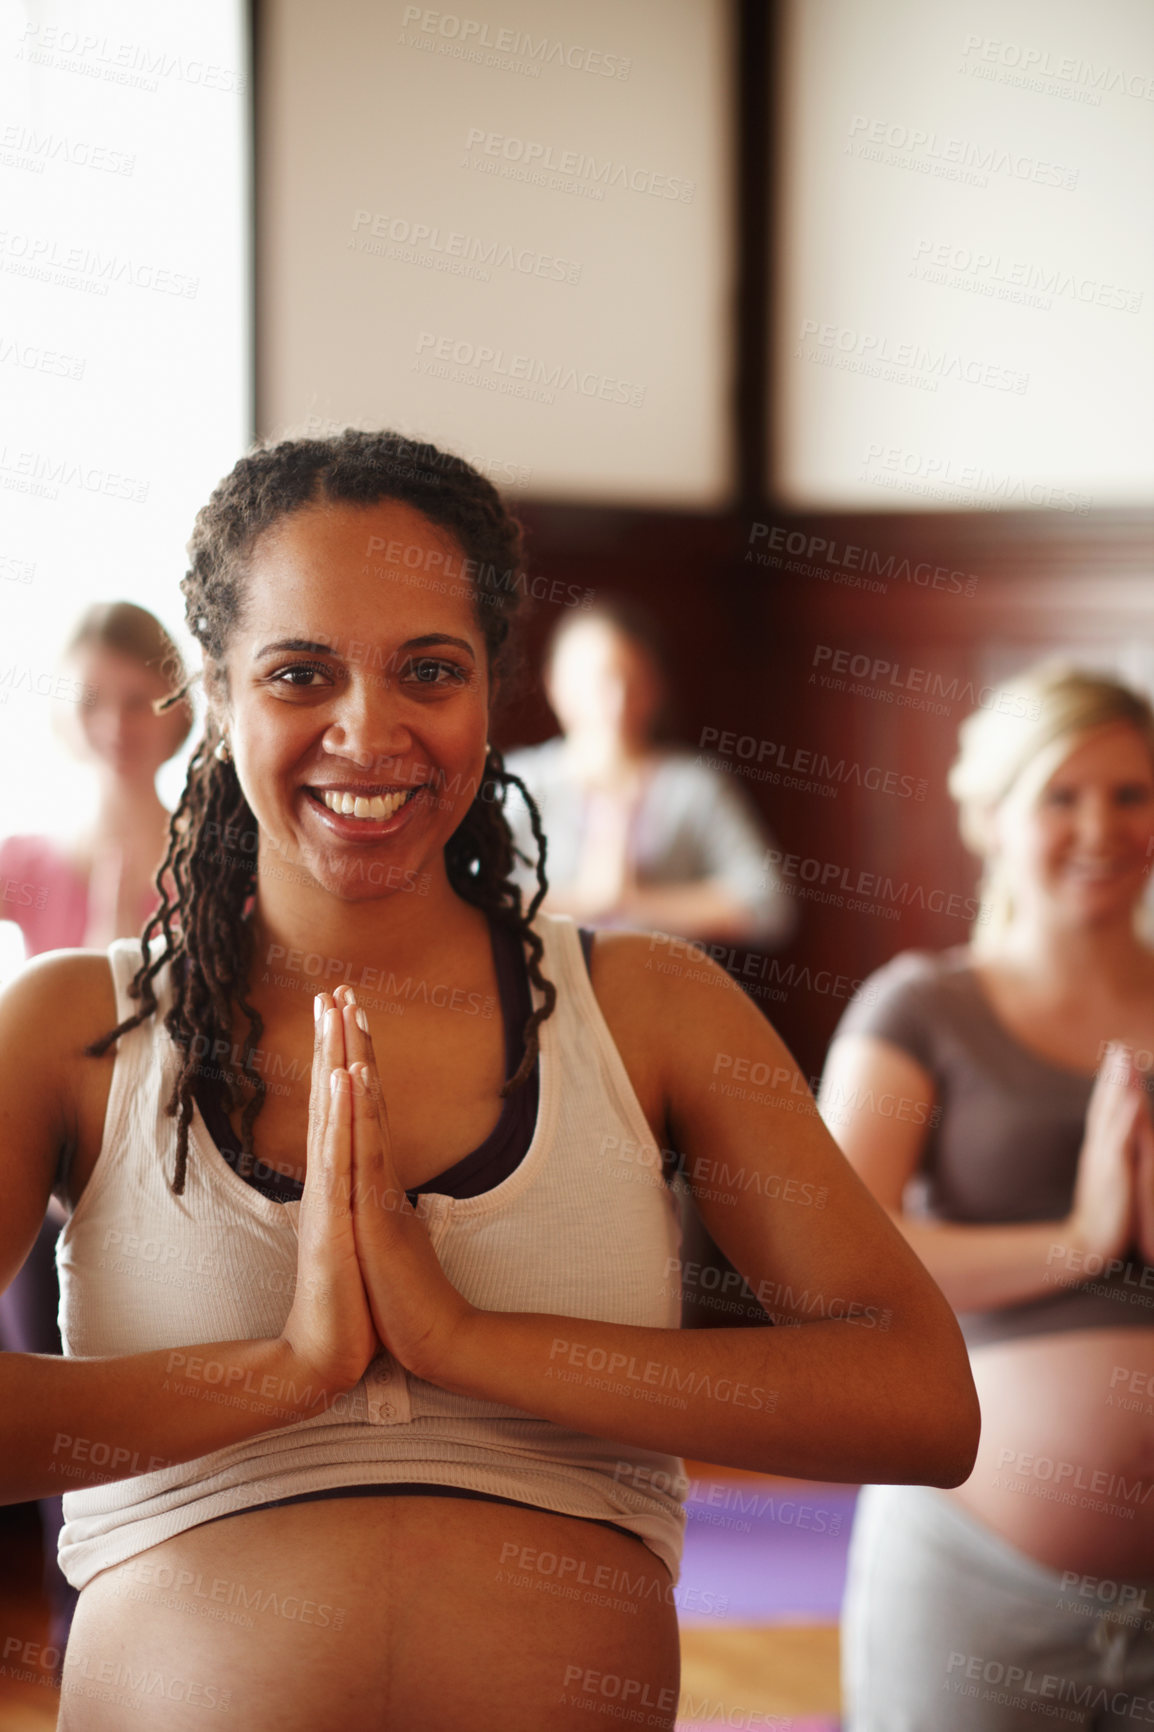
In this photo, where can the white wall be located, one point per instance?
(967, 254)
(507, 231)
(124, 350)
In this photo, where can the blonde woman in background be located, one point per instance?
(64, 892)
(99, 883)
(1020, 1168)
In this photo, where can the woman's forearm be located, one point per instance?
(800, 1399)
(70, 1423)
(981, 1268)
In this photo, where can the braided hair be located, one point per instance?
(204, 888)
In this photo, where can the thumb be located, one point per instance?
(1117, 1065)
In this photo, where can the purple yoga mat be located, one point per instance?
(757, 1552)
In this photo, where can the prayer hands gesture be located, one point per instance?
(1114, 1189)
(367, 1273)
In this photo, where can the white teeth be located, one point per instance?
(376, 806)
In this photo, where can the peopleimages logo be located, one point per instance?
(497, 368)
(952, 158)
(851, 557)
(882, 356)
(24, 147)
(475, 33)
(1068, 69)
(578, 164)
(833, 881)
(875, 674)
(803, 768)
(996, 274)
(397, 237)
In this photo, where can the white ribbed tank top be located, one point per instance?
(571, 1231)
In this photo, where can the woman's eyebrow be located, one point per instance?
(437, 637)
(307, 646)
(293, 643)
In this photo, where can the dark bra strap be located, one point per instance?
(484, 1168)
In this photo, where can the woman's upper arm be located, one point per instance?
(878, 1103)
(48, 1013)
(770, 1182)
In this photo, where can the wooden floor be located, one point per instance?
(787, 1670)
(790, 1670)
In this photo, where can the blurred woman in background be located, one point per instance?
(85, 890)
(639, 834)
(89, 888)
(1028, 1129)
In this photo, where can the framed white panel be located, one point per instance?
(508, 233)
(966, 249)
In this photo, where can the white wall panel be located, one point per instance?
(966, 251)
(508, 232)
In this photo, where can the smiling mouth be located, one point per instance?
(1098, 871)
(374, 807)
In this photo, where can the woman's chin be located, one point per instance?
(1099, 904)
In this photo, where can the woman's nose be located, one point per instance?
(1098, 819)
(368, 725)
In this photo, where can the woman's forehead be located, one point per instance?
(1115, 745)
(346, 569)
(386, 534)
(115, 667)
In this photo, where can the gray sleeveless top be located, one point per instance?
(1003, 1140)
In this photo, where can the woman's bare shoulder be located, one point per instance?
(63, 988)
(641, 970)
(660, 997)
(50, 1012)
(53, 1097)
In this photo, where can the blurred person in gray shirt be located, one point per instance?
(640, 834)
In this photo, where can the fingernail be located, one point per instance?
(318, 1008)
(350, 996)
(362, 1021)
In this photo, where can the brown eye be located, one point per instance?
(428, 671)
(288, 676)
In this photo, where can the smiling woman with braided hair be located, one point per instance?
(375, 1386)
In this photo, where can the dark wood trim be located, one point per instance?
(257, 43)
(753, 284)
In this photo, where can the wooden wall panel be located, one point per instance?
(744, 636)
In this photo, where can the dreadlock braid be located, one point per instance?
(205, 888)
(478, 855)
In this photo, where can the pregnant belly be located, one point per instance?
(1065, 1469)
(369, 1613)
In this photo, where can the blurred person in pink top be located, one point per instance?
(81, 892)
(85, 890)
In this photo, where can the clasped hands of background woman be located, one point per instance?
(367, 1274)
(1114, 1189)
